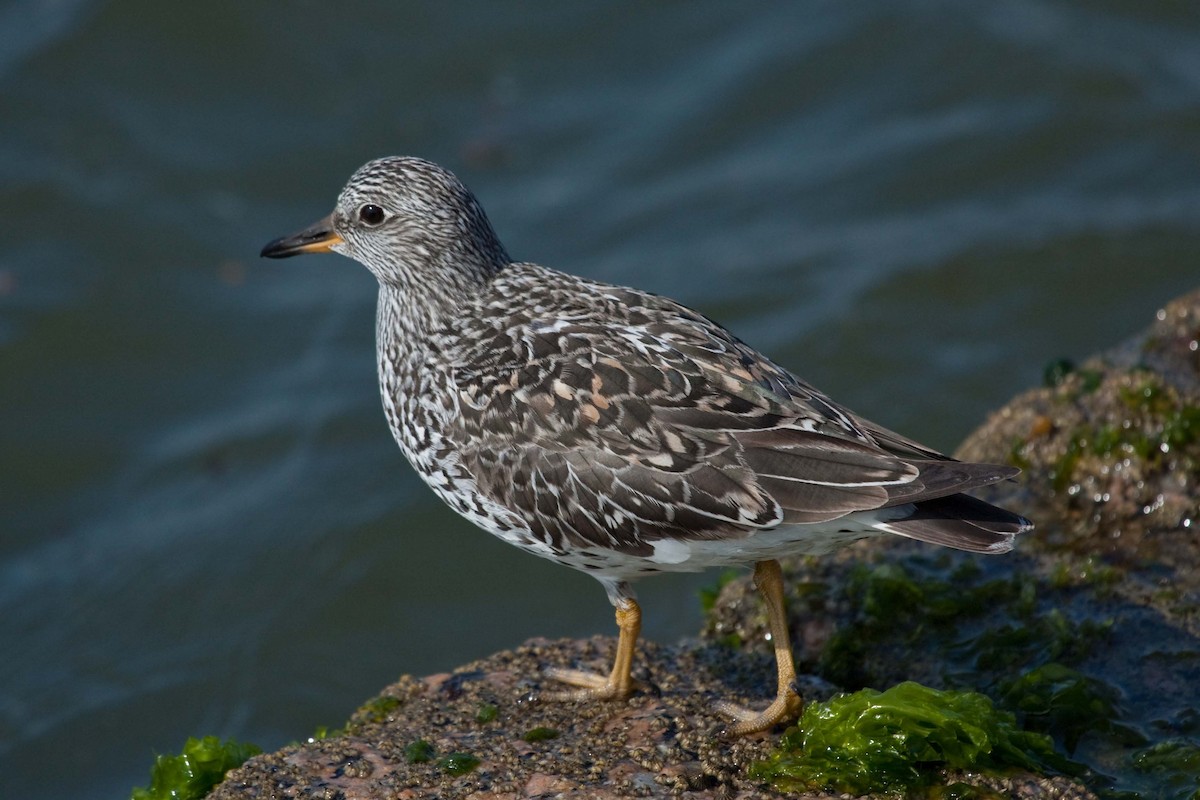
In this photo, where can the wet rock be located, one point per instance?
(1111, 458)
(666, 740)
(1089, 631)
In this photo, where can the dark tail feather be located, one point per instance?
(962, 522)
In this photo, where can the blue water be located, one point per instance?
(204, 524)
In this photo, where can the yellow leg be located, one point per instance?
(619, 684)
(768, 579)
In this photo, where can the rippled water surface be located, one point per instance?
(204, 524)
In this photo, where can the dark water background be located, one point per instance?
(204, 524)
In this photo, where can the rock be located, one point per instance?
(1112, 447)
(1111, 460)
(665, 740)
(1090, 628)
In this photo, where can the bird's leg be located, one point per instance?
(619, 683)
(768, 579)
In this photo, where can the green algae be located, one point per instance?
(1062, 471)
(708, 594)
(1174, 765)
(1148, 397)
(325, 732)
(988, 625)
(193, 773)
(373, 711)
(732, 640)
(1067, 704)
(1058, 373)
(1049, 643)
(1052, 636)
(1141, 418)
(540, 734)
(419, 752)
(708, 600)
(1154, 434)
(1013, 638)
(1089, 571)
(486, 713)
(1156, 425)
(458, 763)
(900, 740)
(1181, 427)
(1016, 454)
(376, 710)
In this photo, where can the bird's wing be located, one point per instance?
(618, 437)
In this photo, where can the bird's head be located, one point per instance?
(410, 222)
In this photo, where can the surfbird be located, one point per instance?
(617, 431)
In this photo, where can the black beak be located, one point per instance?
(316, 238)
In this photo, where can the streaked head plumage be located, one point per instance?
(401, 216)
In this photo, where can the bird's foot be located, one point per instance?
(592, 685)
(785, 708)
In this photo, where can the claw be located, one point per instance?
(592, 685)
(787, 704)
(784, 708)
(617, 685)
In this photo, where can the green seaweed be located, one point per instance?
(1163, 422)
(193, 773)
(419, 752)
(1089, 571)
(1056, 372)
(487, 713)
(895, 608)
(1090, 380)
(900, 740)
(326, 732)
(1033, 639)
(1062, 471)
(1158, 426)
(374, 710)
(1175, 766)
(732, 640)
(1181, 427)
(1016, 454)
(1068, 704)
(377, 709)
(1049, 637)
(458, 763)
(540, 734)
(709, 594)
(1107, 439)
(986, 630)
(1148, 397)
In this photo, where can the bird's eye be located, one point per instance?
(371, 214)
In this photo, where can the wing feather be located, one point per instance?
(671, 427)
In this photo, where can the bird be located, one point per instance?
(617, 431)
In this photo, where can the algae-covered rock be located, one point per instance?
(1077, 658)
(1090, 631)
(191, 775)
(481, 732)
(902, 740)
(433, 740)
(1111, 453)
